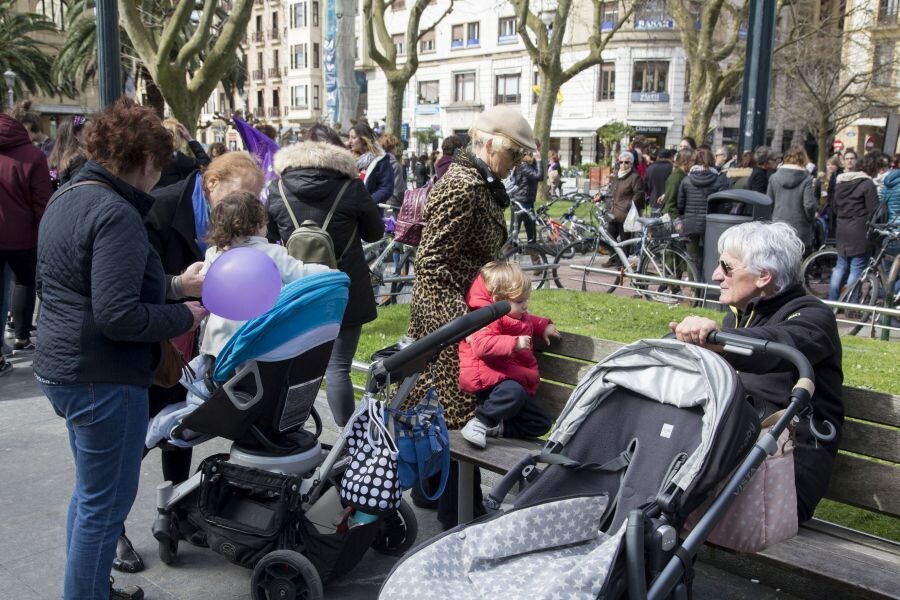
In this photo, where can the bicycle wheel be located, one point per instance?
(815, 272)
(553, 240)
(404, 269)
(668, 262)
(864, 291)
(533, 260)
(603, 256)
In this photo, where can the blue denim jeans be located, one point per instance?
(338, 387)
(856, 264)
(107, 424)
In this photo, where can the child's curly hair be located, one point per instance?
(505, 280)
(239, 214)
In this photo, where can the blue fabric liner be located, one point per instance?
(302, 306)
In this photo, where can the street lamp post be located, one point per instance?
(10, 77)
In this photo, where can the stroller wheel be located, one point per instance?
(166, 533)
(168, 550)
(397, 533)
(285, 575)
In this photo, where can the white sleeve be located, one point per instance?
(292, 269)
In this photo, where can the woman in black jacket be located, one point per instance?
(103, 315)
(312, 174)
(181, 166)
(702, 180)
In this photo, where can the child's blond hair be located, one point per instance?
(505, 280)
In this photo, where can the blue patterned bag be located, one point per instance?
(423, 444)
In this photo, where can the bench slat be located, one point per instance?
(866, 484)
(500, 456)
(869, 405)
(553, 397)
(563, 370)
(871, 440)
(583, 347)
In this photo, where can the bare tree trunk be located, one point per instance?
(396, 89)
(822, 141)
(345, 43)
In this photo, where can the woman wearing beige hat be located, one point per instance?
(465, 230)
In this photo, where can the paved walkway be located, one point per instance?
(35, 482)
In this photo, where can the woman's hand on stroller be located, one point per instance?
(694, 330)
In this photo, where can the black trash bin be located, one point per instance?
(719, 207)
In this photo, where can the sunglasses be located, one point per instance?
(728, 269)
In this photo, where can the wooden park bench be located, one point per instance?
(823, 558)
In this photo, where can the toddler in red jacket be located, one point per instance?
(496, 363)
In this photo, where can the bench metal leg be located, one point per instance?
(464, 509)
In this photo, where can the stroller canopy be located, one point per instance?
(308, 313)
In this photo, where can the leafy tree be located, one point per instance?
(381, 48)
(23, 54)
(612, 134)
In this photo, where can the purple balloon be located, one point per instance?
(242, 284)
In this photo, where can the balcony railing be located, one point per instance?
(257, 37)
(259, 74)
(274, 34)
(274, 111)
(260, 111)
(275, 73)
(299, 106)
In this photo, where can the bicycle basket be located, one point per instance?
(661, 231)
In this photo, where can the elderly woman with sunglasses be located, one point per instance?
(465, 230)
(758, 274)
(625, 187)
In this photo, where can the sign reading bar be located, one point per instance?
(650, 24)
(649, 96)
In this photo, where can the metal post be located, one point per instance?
(10, 76)
(757, 74)
(109, 65)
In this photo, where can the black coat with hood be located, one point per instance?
(525, 178)
(792, 190)
(170, 224)
(312, 174)
(855, 203)
(692, 195)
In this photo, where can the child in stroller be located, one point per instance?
(271, 503)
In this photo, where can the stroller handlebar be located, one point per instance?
(740, 344)
(414, 358)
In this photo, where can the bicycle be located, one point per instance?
(380, 256)
(658, 253)
(531, 256)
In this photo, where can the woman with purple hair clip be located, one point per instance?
(67, 156)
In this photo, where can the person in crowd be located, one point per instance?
(34, 126)
(312, 173)
(890, 196)
(525, 178)
(725, 158)
(554, 174)
(496, 363)
(217, 149)
(855, 203)
(432, 163)
(738, 176)
(833, 168)
(269, 131)
(103, 315)
(390, 144)
(759, 276)
(239, 221)
(792, 190)
(657, 175)
(879, 164)
(449, 146)
(465, 230)
(764, 162)
(701, 182)
(684, 160)
(24, 192)
(372, 163)
(687, 143)
(67, 156)
(420, 170)
(625, 187)
(177, 225)
(181, 166)
(638, 149)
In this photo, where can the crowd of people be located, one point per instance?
(141, 211)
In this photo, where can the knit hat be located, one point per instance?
(508, 123)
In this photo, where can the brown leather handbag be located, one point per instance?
(170, 367)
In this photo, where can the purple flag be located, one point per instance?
(259, 145)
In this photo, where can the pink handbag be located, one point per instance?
(765, 512)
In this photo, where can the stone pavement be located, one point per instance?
(35, 482)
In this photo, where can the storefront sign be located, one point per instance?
(649, 96)
(651, 24)
(646, 130)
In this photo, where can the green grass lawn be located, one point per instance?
(867, 363)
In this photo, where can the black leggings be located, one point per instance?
(23, 264)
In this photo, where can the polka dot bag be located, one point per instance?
(371, 483)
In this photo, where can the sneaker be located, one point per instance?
(129, 592)
(23, 345)
(127, 559)
(5, 367)
(495, 431)
(475, 432)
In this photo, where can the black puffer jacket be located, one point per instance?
(692, 196)
(312, 174)
(170, 224)
(855, 201)
(102, 287)
(525, 180)
(804, 322)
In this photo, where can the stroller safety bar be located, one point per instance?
(250, 368)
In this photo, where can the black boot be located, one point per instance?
(127, 559)
(129, 592)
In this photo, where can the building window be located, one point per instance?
(607, 88)
(609, 16)
(650, 76)
(464, 87)
(887, 11)
(426, 42)
(315, 13)
(315, 55)
(54, 10)
(507, 87)
(298, 56)
(399, 43)
(472, 34)
(298, 15)
(298, 96)
(315, 97)
(651, 15)
(507, 31)
(275, 62)
(465, 35)
(428, 92)
(883, 63)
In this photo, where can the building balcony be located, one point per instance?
(257, 37)
(258, 74)
(275, 73)
(274, 111)
(260, 112)
(274, 34)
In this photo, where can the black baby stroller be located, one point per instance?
(272, 503)
(644, 439)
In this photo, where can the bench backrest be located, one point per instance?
(867, 470)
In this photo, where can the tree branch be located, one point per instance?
(524, 19)
(219, 59)
(200, 37)
(137, 33)
(171, 31)
(598, 43)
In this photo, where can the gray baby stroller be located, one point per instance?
(272, 504)
(643, 441)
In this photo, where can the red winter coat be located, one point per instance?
(488, 356)
(24, 186)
